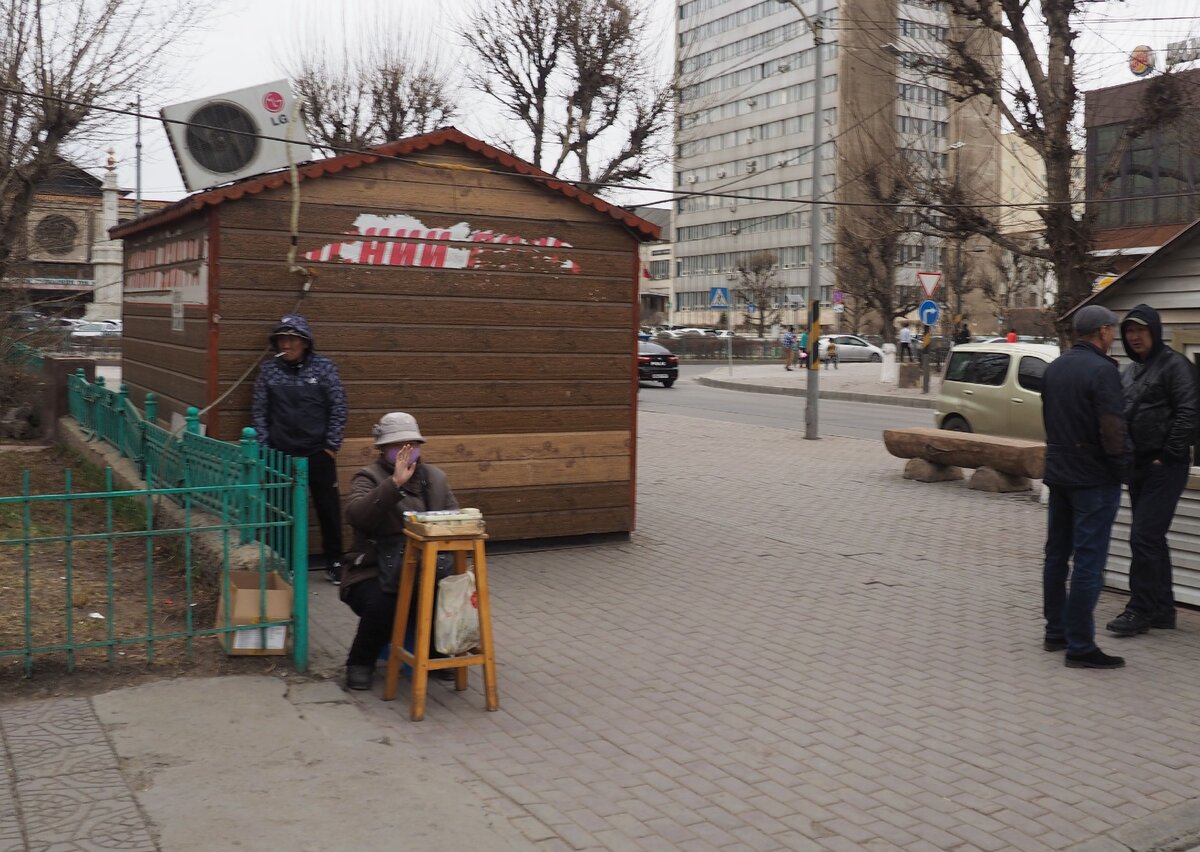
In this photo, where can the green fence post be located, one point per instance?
(251, 498)
(119, 437)
(300, 564)
(193, 419)
(150, 420)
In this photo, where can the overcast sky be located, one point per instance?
(247, 43)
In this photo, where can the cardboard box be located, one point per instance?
(247, 608)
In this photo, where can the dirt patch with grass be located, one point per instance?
(116, 584)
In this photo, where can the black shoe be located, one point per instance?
(1129, 623)
(1163, 621)
(444, 675)
(334, 573)
(360, 677)
(1054, 644)
(1094, 659)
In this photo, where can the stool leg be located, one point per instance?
(491, 693)
(420, 685)
(403, 602)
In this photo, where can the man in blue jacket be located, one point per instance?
(299, 408)
(1086, 460)
(1160, 414)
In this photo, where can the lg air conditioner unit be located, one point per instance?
(753, 102)
(720, 173)
(236, 135)
(751, 167)
(784, 67)
(729, 276)
(734, 230)
(692, 178)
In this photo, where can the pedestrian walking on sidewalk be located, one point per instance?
(299, 408)
(789, 343)
(1161, 416)
(1087, 458)
(905, 340)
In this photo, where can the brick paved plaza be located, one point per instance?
(797, 650)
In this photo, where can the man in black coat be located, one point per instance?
(1160, 414)
(1086, 461)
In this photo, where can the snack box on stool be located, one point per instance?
(247, 608)
(448, 523)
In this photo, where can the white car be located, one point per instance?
(851, 347)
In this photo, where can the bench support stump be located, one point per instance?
(987, 479)
(927, 471)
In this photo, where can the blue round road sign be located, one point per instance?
(929, 312)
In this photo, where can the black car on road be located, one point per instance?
(656, 364)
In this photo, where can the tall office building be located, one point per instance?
(744, 146)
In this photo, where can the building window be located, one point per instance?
(56, 235)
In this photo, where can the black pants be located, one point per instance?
(323, 488)
(1154, 492)
(376, 611)
(906, 349)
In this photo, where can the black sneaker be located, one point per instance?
(1049, 644)
(334, 573)
(1163, 621)
(1094, 659)
(360, 677)
(1129, 623)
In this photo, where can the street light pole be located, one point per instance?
(812, 390)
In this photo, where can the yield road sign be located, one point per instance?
(929, 312)
(718, 298)
(929, 282)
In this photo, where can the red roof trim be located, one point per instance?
(273, 180)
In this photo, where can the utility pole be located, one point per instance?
(137, 158)
(812, 391)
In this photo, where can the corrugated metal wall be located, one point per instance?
(1184, 539)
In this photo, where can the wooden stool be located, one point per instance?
(422, 553)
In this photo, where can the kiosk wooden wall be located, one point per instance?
(520, 366)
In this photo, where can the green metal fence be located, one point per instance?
(250, 503)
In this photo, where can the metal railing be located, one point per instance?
(232, 500)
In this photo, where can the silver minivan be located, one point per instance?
(995, 389)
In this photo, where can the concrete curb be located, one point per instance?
(851, 396)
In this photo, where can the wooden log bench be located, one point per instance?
(936, 455)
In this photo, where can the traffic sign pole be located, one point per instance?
(813, 390)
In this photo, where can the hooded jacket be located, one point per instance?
(1160, 396)
(299, 408)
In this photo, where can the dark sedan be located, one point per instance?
(656, 364)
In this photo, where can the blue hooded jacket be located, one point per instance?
(299, 408)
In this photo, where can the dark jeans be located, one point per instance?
(323, 488)
(1080, 524)
(906, 349)
(1154, 492)
(376, 611)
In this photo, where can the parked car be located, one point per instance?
(93, 334)
(656, 364)
(850, 347)
(995, 389)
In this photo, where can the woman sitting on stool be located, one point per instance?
(396, 482)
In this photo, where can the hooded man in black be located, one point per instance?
(1160, 415)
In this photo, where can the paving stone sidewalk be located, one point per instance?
(797, 650)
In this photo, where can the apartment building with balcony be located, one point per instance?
(745, 137)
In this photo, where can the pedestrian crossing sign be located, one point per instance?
(718, 298)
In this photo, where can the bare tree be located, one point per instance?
(376, 90)
(575, 77)
(1040, 103)
(61, 63)
(869, 239)
(758, 284)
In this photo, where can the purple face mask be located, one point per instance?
(393, 453)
